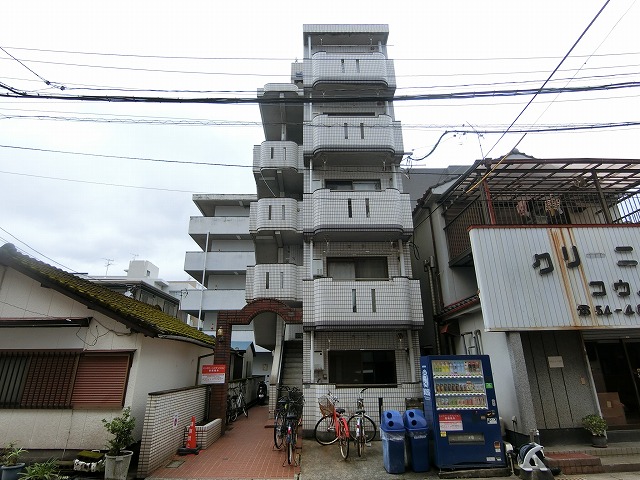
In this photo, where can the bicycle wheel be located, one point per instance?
(343, 438)
(325, 431)
(360, 436)
(368, 427)
(291, 444)
(278, 426)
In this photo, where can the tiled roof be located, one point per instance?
(134, 314)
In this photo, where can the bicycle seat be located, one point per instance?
(291, 416)
(340, 410)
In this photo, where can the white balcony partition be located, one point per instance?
(212, 300)
(358, 68)
(335, 133)
(279, 281)
(218, 261)
(277, 155)
(362, 305)
(269, 214)
(384, 213)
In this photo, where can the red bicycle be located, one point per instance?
(333, 426)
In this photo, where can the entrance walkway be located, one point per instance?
(245, 451)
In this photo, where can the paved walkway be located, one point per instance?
(245, 451)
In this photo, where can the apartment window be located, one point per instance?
(282, 210)
(63, 379)
(266, 280)
(353, 185)
(269, 213)
(362, 131)
(359, 268)
(357, 65)
(342, 65)
(272, 151)
(366, 207)
(373, 300)
(346, 131)
(349, 208)
(362, 367)
(354, 304)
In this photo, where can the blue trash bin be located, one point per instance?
(392, 433)
(417, 440)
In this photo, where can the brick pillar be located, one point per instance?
(218, 398)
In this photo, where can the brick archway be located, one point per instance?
(226, 320)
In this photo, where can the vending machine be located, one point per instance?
(461, 411)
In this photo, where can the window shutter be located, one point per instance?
(101, 380)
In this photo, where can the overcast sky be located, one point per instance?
(69, 198)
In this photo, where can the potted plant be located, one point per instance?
(48, 470)
(117, 459)
(10, 460)
(597, 426)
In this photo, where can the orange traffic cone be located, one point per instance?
(191, 436)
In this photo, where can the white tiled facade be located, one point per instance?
(331, 222)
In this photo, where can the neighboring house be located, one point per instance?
(535, 263)
(73, 352)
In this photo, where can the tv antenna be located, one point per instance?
(107, 262)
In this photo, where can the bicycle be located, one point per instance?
(241, 403)
(333, 426)
(362, 427)
(292, 421)
(232, 412)
(282, 407)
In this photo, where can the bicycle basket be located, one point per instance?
(326, 406)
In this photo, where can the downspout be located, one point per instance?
(412, 357)
(401, 250)
(312, 335)
(435, 302)
(204, 270)
(603, 202)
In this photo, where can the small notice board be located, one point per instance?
(213, 374)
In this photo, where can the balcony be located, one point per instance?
(277, 168)
(363, 139)
(217, 262)
(565, 208)
(362, 305)
(359, 215)
(346, 70)
(212, 300)
(280, 281)
(221, 228)
(281, 106)
(276, 218)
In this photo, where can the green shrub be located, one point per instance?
(595, 424)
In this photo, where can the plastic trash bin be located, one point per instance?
(417, 440)
(392, 433)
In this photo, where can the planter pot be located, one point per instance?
(116, 467)
(11, 472)
(599, 441)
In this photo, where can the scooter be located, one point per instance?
(262, 393)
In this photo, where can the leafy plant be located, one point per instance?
(48, 470)
(121, 428)
(10, 455)
(595, 424)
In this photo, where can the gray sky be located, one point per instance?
(80, 210)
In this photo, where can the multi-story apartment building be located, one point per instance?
(331, 224)
(535, 263)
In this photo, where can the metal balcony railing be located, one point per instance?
(584, 208)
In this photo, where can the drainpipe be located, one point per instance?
(435, 303)
(312, 335)
(204, 270)
(603, 202)
(412, 358)
(400, 249)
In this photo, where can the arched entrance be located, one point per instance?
(226, 320)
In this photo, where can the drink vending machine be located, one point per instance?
(461, 411)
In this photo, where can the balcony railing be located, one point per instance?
(550, 209)
(345, 68)
(362, 304)
(327, 133)
(277, 155)
(280, 281)
(212, 300)
(274, 214)
(217, 262)
(378, 215)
